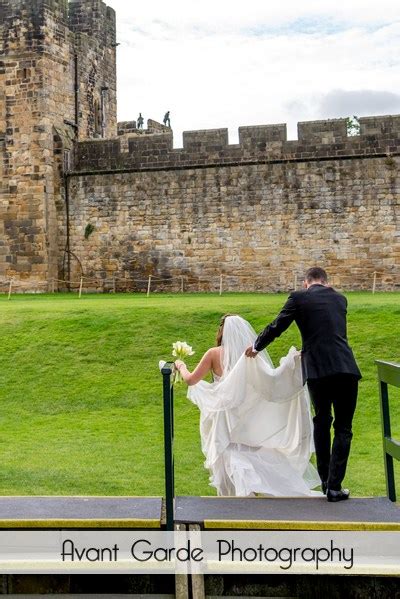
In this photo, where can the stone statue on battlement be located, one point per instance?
(166, 120)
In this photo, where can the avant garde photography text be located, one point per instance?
(223, 550)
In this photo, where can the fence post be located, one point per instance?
(182, 287)
(168, 401)
(114, 286)
(80, 288)
(149, 286)
(10, 288)
(374, 283)
(220, 284)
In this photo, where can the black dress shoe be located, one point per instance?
(337, 495)
(324, 487)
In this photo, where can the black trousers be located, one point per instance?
(340, 392)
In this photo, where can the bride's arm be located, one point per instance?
(202, 368)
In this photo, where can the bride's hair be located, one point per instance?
(220, 331)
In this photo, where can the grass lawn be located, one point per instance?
(80, 390)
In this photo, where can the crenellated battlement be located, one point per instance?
(316, 140)
(32, 9)
(262, 134)
(130, 128)
(206, 139)
(23, 22)
(93, 17)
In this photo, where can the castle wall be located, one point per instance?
(316, 140)
(258, 211)
(261, 211)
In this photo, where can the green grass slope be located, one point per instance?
(80, 390)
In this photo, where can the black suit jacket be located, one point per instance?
(320, 313)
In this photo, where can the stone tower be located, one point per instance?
(57, 85)
(93, 26)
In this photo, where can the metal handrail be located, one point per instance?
(167, 372)
(388, 374)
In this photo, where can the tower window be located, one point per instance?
(97, 118)
(67, 161)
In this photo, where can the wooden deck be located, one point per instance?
(80, 512)
(258, 513)
(262, 513)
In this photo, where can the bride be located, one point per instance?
(255, 423)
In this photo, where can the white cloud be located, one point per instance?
(225, 64)
(368, 102)
(228, 15)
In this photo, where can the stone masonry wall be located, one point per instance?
(259, 212)
(35, 70)
(94, 27)
(43, 46)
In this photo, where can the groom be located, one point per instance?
(329, 368)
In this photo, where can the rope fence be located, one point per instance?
(218, 283)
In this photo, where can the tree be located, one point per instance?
(353, 125)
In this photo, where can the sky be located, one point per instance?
(224, 63)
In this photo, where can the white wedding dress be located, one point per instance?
(255, 423)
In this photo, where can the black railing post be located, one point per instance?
(387, 434)
(388, 374)
(168, 399)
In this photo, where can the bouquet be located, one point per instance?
(180, 351)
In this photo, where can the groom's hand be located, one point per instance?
(250, 352)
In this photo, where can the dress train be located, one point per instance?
(256, 429)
